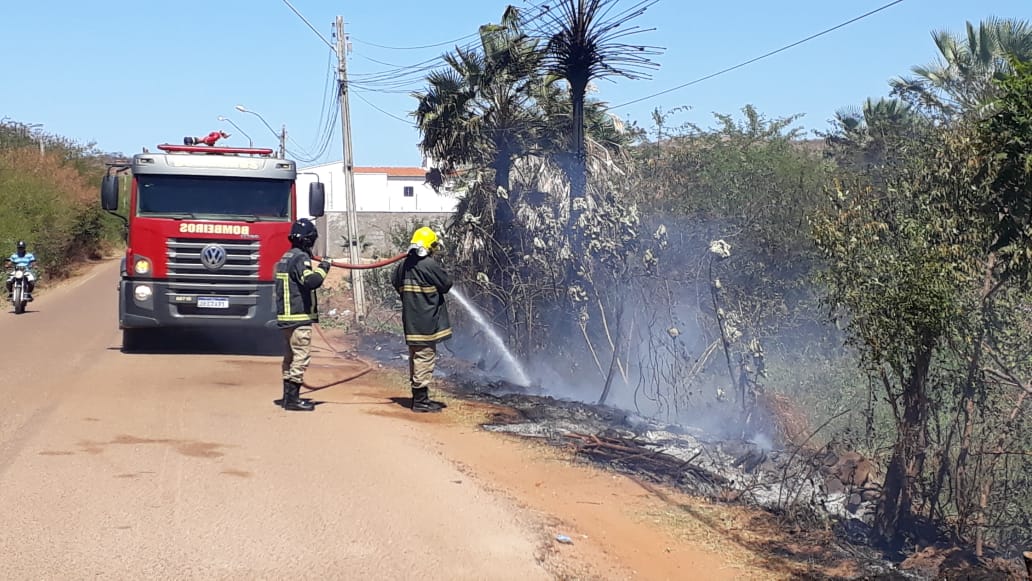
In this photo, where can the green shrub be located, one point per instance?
(50, 202)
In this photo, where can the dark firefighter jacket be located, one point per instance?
(422, 284)
(296, 281)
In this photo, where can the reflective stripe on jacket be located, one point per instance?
(296, 281)
(422, 284)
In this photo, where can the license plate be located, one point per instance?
(212, 303)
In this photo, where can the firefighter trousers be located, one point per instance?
(421, 365)
(297, 353)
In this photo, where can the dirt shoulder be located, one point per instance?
(79, 272)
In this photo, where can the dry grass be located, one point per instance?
(52, 205)
(790, 424)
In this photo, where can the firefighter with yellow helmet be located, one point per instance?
(422, 284)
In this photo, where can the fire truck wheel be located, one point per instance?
(133, 340)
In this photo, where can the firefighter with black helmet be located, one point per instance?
(422, 284)
(297, 309)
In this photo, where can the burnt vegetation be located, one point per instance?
(852, 302)
(832, 325)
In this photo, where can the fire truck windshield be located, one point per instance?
(227, 198)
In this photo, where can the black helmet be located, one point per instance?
(303, 233)
(21, 245)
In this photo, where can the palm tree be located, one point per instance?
(865, 137)
(585, 43)
(962, 78)
(478, 112)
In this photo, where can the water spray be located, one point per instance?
(520, 374)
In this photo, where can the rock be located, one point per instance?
(854, 502)
(833, 485)
(829, 458)
(852, 469)
(870, 494)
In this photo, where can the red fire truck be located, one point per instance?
(206, 226)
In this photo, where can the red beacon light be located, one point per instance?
(210, 139)
(207, 143)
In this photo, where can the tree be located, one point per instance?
(963, 78)
(479, 112)
(867, 139)
(585, 43)
(501, 126)
(889, 279)
(1005, 137)
(928, 264)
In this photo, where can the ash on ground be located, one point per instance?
(821, 489)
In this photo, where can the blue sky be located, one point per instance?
(128, 75)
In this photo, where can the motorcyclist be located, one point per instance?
(24, 259)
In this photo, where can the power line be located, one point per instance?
(368, 102)
(379, 62)
(761, 57)
(330, 78)
(324, 132)
(402, 78)
(316, 31)
(420, 47)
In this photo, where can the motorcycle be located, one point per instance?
(19, 289)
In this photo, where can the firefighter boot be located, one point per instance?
(282, 402)
(421, 401)
(303, 399)
(292, 401)
(286, 396)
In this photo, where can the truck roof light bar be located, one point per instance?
(170, 148)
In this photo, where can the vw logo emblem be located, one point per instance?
(213, 257)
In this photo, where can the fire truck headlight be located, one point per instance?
(142, 292)
(142, 266)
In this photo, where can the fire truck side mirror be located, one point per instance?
(316, 199)
(109, 193)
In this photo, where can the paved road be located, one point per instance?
(163, 466)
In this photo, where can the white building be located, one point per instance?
(384, 198)
(377, 189)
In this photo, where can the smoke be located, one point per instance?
(572, 290)
(668, 367)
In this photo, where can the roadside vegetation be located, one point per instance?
(873, 276)
(866, 287)
(49, 197)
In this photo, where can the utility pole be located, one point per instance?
(283, 142)
(354, 251)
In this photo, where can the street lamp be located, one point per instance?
(250, 142)
(282, 135)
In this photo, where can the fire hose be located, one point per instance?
(367, 367)
(370, 266)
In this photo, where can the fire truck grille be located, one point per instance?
(207, 267)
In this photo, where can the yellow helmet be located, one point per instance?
(423, 241)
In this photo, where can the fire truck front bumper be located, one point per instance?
(153, 303)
